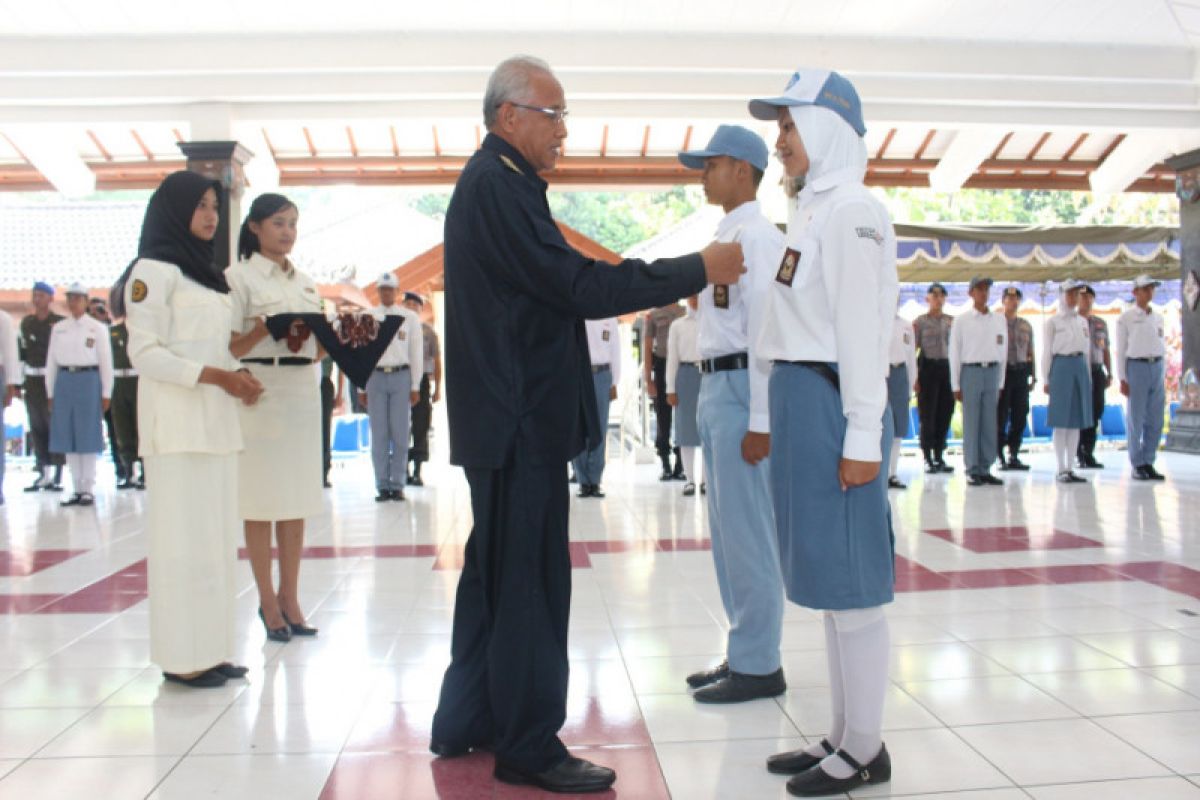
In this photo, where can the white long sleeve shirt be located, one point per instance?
(9, 358)
(734, 326)
(407, 348)
(903, 348)
(682, 345)
(977, 338)
(604, 345)
(81, 342)
(1066, 333)
(1139, 335)
(834, 297)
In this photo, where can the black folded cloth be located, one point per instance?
(356, 342)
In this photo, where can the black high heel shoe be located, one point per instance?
(281, 634)
(297, 630)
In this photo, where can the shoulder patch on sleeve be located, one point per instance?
(508, 162)
(138, 291)
(870, 233)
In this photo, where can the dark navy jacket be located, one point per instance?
(518, 376)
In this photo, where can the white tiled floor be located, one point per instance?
(1054, 691)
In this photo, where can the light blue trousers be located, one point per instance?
(980, 388)
(589, 465)
(389, 408)
(742, 526)
(1147, 399)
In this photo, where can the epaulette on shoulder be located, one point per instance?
(508, 162)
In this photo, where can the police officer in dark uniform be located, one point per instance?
(1102, 372)
(431, 391)
(655, 327)
(97, 309)
(1019, 379)
(34, 341)
(935, 400)
(123, 410)
(521, 402)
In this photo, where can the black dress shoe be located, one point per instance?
(597, 492)
(448, 750)
(1004, 466)
(585, 490)
(36, 486)
(1017, 464)
(327, 484)
(1154, 474)
(209, 679)
(416, 480)
(231, 671)
(281, 634)
(86, 499)
(126, 483)
(297, 630)
(975, 480)
(944, 467)
(74, 500)
(383, 496)
(54, 487)
(1069, 477)
(990, 479)
(931, 468)
(1140, 474)
(397, 495)
(1088, 462)
(570, 776)
(794, 762)
(896, 483)
(689, 489)
(738, 687)
(816, 782)
(666, 474)
(707, 676)
(703, 487)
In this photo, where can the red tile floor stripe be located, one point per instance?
(1011, 539)
(20, 563)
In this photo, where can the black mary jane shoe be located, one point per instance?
(209, 679)
(86, 499)
(570, 776)
(816, 782)
(794, 762)
(896, 483)
(74, 500)
(280, 634)
(231, 671)
(297, 630)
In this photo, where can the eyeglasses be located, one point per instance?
(556, 115)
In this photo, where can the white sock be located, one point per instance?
(894, 459)
(863, 646)
(837, 726)
(688, 454)
(1061, 453)
(82, 467)
(1072, 444)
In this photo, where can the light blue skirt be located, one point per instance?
(836, 549)
(75, 422)
(1070, 393)
(899, 392)
(687, 389)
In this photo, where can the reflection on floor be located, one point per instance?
(1047, 646)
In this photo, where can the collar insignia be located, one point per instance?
(508, 162)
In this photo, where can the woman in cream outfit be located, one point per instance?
(178, 311)
(280, 479)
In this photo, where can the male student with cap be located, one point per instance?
(1066, 359)
(1101, 376)
(390, 395)
(10, 377)
(79, 380)
(978, 352)
(1141, 360)
(734, 421)
(935, 399)
(431, 389)
(828, 318)
(1019, 378)
(34, 338)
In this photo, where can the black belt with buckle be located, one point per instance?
(598, 368)
(1068, 355)
(390, 370)
(823, 369)
(1147, 360)
(725, 363)
(898, 364)
(282, 361)
(91, 368)
(984, 364)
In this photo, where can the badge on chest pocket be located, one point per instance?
(402, 335)
(999, 338)
(604, 336)
(90, 342)
(721, 296)
(787, 267)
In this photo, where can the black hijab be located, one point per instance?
(166, 234)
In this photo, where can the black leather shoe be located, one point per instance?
(209, 679)
(896, 483)
(942, 466)
(990, 479)
(1139, 474)
(127, 483)
(448, 750)
(416, 480)
(281, 634)
(231, 671)
(36, 486)
(597, 492)
(707, 676)
(816, 782)
(54, 487)
(1154, 474)
(931, 468)
(975, 480)
(738, 687)
(1069, 477)
(1017, 464)
(74, 500)
(794, 762)
(383, 496)
(703, 487)
(689, 489)
(1004, 466)
(666, 474)
(397, 495)
(585, 490)
(297, 630)
(1090, 463)
(570, 776)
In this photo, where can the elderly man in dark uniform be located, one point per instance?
(34, 340)
(520, 402)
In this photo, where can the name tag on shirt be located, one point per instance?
(999, 338)
(604, 336)
(90, 342)
(721, 295)
(401, 335)
(907, 340)
(787, 267)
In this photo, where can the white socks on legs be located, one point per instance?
(688, 455)
(1066, 442)
(82, 467)
(863, 650)
(838, 726)
(894, 459)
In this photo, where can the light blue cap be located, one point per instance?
(815, 87)
(733, 141)
(42, 286)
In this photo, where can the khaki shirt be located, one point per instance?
(1098, 329)
(429, 339)
(658, 327)
(933, 335)
(260, 288)
(1020, 342)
